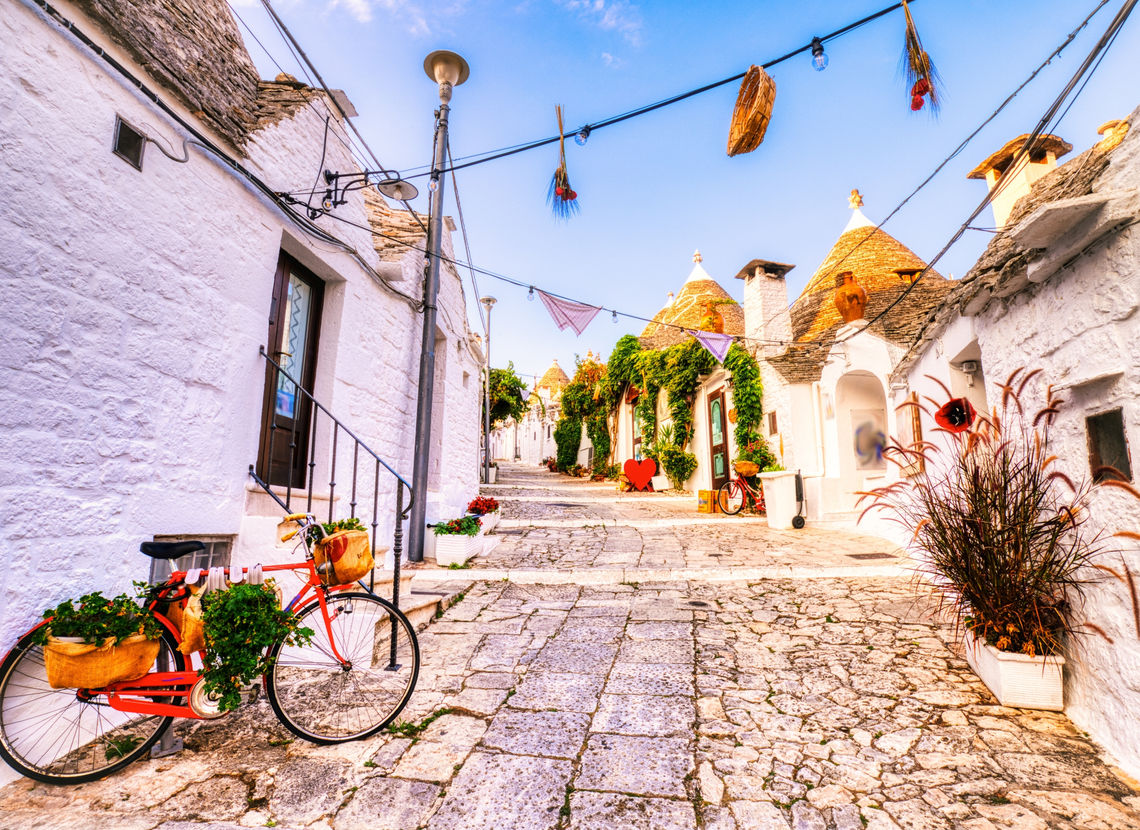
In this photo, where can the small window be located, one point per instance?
(129, 143)
(772, 429)
(216, 554)
(1108, 446)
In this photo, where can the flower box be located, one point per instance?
(456, 548)
(489, 520)
(660, 483)
(72, 664)
(1018, 680)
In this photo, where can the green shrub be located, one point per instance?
(567, 438)
(678, 464)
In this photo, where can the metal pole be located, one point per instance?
(417, 521)
(489, 302)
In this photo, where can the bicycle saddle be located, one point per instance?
(171, 550)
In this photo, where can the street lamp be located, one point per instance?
(488, 303)
(448, 70)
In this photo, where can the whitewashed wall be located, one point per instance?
(135, 303)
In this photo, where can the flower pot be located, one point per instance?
(1018, 680)
(456, 548)
(492, 475)
(660, 483)
(76, 665)
(489, 520)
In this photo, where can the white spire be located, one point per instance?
(858, 220)
(698, 273)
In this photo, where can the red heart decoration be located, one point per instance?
(639, 472)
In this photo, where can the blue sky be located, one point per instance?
(655, 188)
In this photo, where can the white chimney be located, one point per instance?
(1013, 172)
(766, 315)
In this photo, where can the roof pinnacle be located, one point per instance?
(855, 201)
(697, 255)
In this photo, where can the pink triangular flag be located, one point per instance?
(567, 313)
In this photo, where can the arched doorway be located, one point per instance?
(861, 413)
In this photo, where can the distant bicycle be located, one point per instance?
(736, 493)
(349, 682)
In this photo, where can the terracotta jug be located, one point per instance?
(850, 299)
(711, 319)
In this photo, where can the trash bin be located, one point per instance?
(780, 498)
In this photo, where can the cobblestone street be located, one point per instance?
(621, 662)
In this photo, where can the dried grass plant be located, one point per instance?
(1003, 533)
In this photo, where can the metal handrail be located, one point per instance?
(402, 510)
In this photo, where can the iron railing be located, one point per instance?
(343, 445)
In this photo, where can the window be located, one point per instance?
(129, 143)
(1108, 445)
(772, 430)
(216, 554)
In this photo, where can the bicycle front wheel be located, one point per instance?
(327, 701)
(70, 736)
(730, 497)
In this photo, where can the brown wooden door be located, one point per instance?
(294, 327)
(718, 439)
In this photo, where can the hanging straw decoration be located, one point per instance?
(562, 197)
(753, 111)
(921, 77)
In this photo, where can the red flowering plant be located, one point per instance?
(998, 529)
(463, 526)
(482, 505)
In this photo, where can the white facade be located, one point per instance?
(135, 304)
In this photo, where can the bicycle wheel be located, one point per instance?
(730, 497)
(58, 737)
(324, 701)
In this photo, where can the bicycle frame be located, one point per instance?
(179, 684)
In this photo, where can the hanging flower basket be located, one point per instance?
(78, 665)
(753, 111)
(746, 468)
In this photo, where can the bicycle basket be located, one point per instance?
(88, 666)
(746, 468)
(344, 557)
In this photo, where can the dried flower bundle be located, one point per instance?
(923, 81)
(562, 197)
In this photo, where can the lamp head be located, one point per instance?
(446, 67)
(397, 189)
(488, 301)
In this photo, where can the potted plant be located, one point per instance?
(239, 625)
(487, 509)
(492, 473)
(99, 642)
(457, 540)
(1001, 533)
(653, 451)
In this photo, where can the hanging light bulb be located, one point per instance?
(583, 136)
(818, 56)
(615, 316)
(433, 185)
(530, 294)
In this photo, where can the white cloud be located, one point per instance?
(611, 61)
(609, 15)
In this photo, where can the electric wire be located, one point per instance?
(1098, 50)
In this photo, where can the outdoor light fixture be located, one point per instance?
(397, 189)
(583, 136)
(615, 316)
(818, 56)
(445, 67)
(530, 294)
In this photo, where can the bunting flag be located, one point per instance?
(716, 344)
(567, 313)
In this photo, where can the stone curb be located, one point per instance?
(616, 576)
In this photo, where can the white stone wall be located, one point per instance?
(134, 306)
(1081, 324)
(532, 439)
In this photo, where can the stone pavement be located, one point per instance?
(807, 703)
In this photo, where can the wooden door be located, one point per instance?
(718, 439)
(294, 327)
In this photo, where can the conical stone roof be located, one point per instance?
(687, 310)
(553, 379)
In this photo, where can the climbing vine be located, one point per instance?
(567, 437)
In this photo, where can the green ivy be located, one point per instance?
(748, 400)
(567, 437)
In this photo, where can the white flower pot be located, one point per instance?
(456, 548)
(1018, 680)
(660, 483)
(489, 520)
(492, 475)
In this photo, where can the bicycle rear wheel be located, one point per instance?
(58, 736)
(730, 497)
(324, 701)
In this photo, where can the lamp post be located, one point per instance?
(448, 70)
(488, 303)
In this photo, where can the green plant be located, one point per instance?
(97, 619)
(1003, 532)
(507, 392)
(678, 464)
(240, 624)
(463, 526)
(567, 437)
(329, 528)
(748, 400)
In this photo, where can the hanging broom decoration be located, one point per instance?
(921, 76)
(562, 197)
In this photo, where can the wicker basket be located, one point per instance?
(746, 468)
(88, 666)
(348, 554)
(752, 113)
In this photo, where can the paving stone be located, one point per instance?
(430, 761)
(390, 803)
(636, 765)
(607, 811)
(659, 631)
(551, 734)
(807, 817)
(307, 788)
(650, 679)
(650, 715)
(575, 656)
(759, 815)
(558, 691)
(500, 791)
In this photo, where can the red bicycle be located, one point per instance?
(736, 493)
(350, 681)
